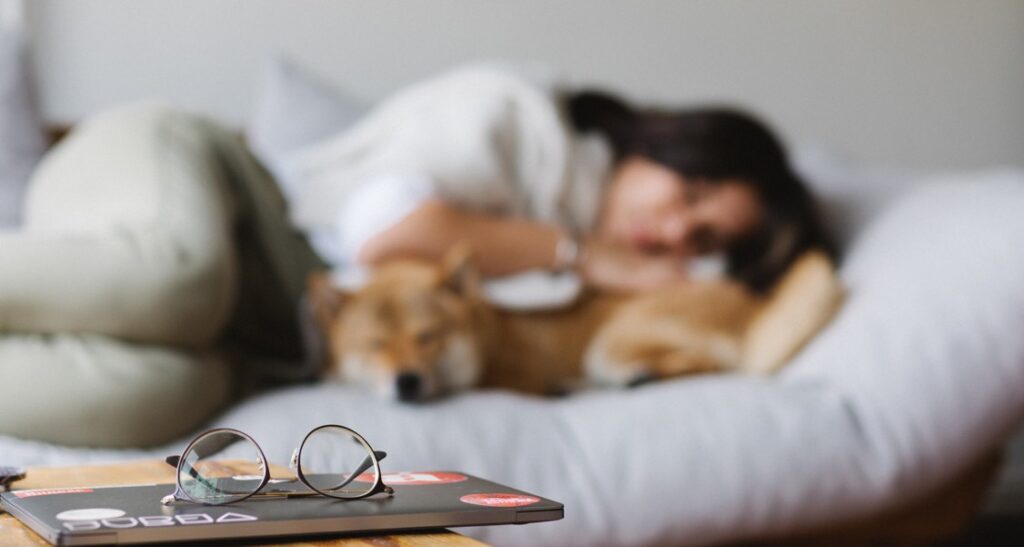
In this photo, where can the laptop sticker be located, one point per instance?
(90, 514)
(51, 492)
(415, 478)
(499, 500)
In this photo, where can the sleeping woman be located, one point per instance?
(134, 268)
(535, 179)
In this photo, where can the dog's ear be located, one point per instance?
(458, 273)
(325, 299)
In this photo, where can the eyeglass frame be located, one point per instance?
(378, 487)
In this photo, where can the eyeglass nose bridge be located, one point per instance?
(293, 463)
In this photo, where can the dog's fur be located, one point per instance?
(420, 329)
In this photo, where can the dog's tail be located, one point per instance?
(797, 307)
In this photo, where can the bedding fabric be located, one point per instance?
(920, 373)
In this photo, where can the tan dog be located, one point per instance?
(420, 329)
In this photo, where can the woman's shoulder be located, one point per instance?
(538, 76)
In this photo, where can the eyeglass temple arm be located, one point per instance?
(367, 462)
(173, 462)
(380, 456)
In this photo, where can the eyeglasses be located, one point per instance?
(225, 465)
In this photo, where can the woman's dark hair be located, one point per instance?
(715, 144)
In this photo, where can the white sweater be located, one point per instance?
(482, 138)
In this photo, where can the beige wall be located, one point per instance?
(926, 82)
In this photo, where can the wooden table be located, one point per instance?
(13, 533)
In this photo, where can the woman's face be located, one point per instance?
(654, 209)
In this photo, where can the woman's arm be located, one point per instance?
(500, 245)
(503, 245)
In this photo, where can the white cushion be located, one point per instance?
(850, 193)
(294, 108)
(21, 137)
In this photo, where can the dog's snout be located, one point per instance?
(409, 386)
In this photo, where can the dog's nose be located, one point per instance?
(409, 385)
(641, 379)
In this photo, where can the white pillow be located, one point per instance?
(21, 136)
(849, 193)
(295, 108)
(919, 375)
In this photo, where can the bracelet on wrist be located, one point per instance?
(568, 253)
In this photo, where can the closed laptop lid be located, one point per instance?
(422, 500)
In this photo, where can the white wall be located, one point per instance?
(926, 82)
(12, 13)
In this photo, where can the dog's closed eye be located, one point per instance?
(428, 336)
(377, 343)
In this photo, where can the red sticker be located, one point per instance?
(415, 478)
(50, 492)
(499, 500)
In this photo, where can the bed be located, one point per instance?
(897, 409)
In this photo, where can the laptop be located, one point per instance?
(134, 514)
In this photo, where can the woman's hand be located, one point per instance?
(617, 268)
(503, 245)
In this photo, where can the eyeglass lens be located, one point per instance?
(338, 463)
(221, 467)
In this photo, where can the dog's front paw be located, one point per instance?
(627, 361)
(603, 368)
